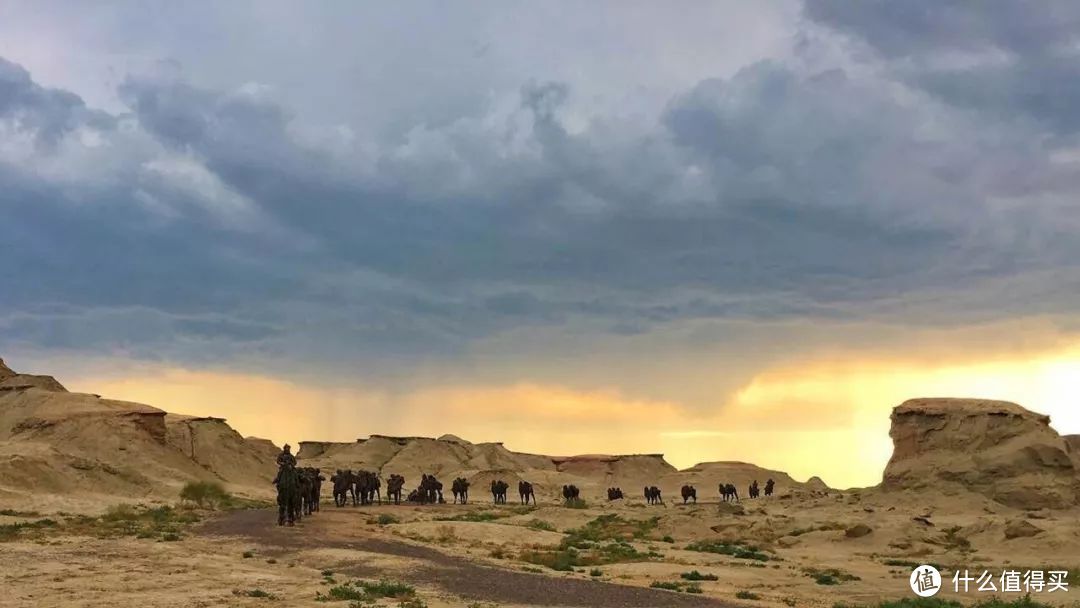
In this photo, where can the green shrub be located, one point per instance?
(205, 494)
(386, 519)
(829, 576)
(694, 575)
(539, 524)
(386, 589)
(596, 572)
(733, 549)
(747, 595)
(666, 585)
(248, 554)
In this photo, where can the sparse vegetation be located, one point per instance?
(386, 519)
(747, 595)
(733, 549)
(937, 602)
(694, 575)
(676, 586)
(596, 572)
(14, 513)
(248, 554)
(208, 494)
(830, 576)
(255, 593)
(539, 524)
(668, 539)
(576, 503)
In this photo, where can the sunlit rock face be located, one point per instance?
(995, 448)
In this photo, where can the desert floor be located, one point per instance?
(798, 551)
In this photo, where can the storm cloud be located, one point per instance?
(205, 215)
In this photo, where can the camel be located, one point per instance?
(342, 486)
(688, 493)
(430, 490)
(728, 492)
(316, 489)
(288, 494)
(570, 493)
(498, 491)
(366, 486)
(525, 491)
(653, 495)
(754, 491)
(460, 488)
(614, 494)
(394, 486)
(769, 486)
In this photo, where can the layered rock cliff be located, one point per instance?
(995, 448)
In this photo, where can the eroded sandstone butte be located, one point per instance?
(996, 448)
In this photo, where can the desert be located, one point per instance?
(101, 505)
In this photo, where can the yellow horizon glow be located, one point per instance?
(827, 418)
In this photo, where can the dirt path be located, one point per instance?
(456, 575)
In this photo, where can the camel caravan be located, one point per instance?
(299, 490)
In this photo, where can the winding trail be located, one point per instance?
(457, 575)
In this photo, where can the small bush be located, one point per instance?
(830, 576)
(539, 524)
(170, 537)
(205, 494)
(386, 519)
(694, 575)
(341, 593)
(732, 549)
(666, 585)
(747, 595)
(248, 554)
(668, 539)
(576, 503)
(387, 589)
(596, 572)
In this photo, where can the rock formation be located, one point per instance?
(1073, 442)
(77, 445)
(994, 448)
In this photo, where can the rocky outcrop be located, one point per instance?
(994, 448)
(1073, 443)
(10, 380)
(264, 447)
(5, 371)
(214, 445)
(55, 441)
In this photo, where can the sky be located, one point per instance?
(735, 231)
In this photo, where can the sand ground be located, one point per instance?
(785, 549)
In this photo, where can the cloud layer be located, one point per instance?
(345, 202)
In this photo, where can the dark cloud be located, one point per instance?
(1002, 57)
(219, 225)
(46, 114)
